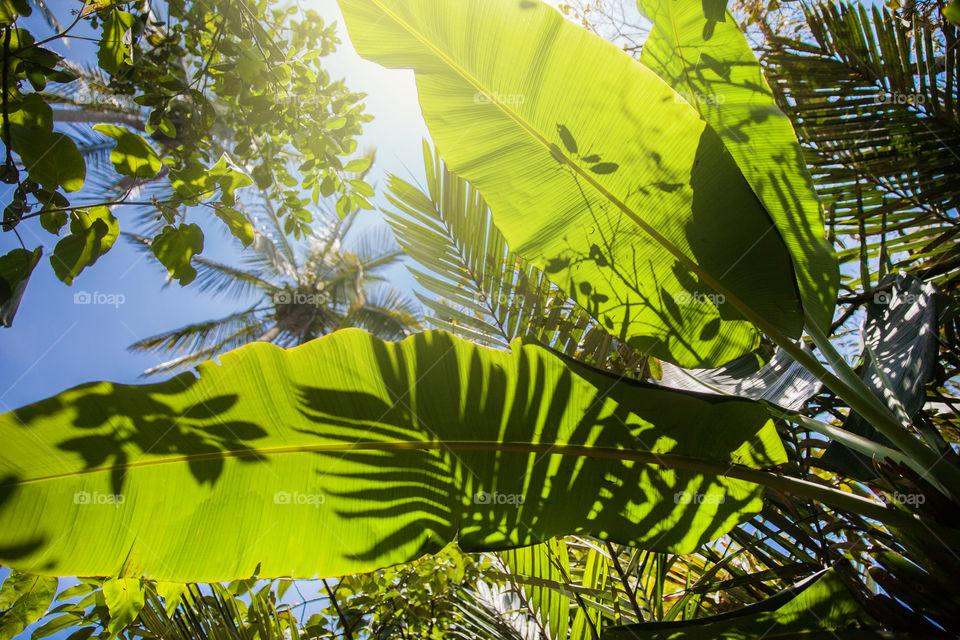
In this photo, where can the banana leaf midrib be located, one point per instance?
(668, 460)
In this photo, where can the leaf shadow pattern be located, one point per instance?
(385, 450)
(728, 235)
(488, 485)
(108, 436)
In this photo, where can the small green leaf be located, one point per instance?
(53, 221)
(567, 139)
(343, 206)
(51, 159)
(359, 165)
(174, 248)
(10, 10)
(362, 188)
(132, 155)
(15, 270)
(124, 598)
(226, 175)
(115, 44)
(238, 225)
(32, 111)
(92, 234)
(327, 186)
(172, 593)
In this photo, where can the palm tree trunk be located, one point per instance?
(295, 322)
(271, 334)
(94, 115)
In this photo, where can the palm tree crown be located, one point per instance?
(333, 281)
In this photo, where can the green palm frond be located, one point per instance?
(215, 277)
(485, 292)
(272, 242)
(386, 313)
(218, 615)
(201, 336)
(877, 109)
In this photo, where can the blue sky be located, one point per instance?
(55, 344)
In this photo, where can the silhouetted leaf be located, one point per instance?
(567, 138)
(174, 248)
(605, 167)
(15, 269)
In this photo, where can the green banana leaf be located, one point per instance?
(348, 453)
(699, 50)
(819, 607)
(595, 170)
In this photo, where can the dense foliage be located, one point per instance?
(694, 372)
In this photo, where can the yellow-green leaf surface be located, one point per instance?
(595, 170)
(349, 453)
(124, 599)
(710, 63)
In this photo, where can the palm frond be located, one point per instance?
(878, 114)
(386, 313)
(485, 292)
(216, 277)
(207, 338)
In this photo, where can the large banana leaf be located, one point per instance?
(595, 170)
(348, 453)
(699, 50)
